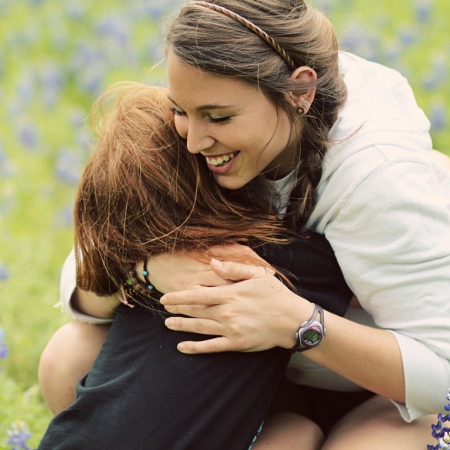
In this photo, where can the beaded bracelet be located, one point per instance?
(139, 293)
(145, 275)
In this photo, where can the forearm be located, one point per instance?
(367, 356)
(93, 305)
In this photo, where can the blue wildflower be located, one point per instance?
(91, 80)
(440, 432)
(3, 350)
(423, 10)
(28, 135)
(64, 216)
(408, 36)
(18, 435)
(6, 168)
(68, 166)
(438, 116)
(115, 27)
(4, 274)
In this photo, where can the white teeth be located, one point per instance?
(220, 159)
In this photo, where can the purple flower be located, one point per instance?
(115, 27)
(64, 217)
(4, 275)
(91, 80)
(75, 10)
(3, 349)
(28, 135)
(5, 165)
(26, 86)
(439, 432)
(18, 436)
(68, 166)
(408, 36)
(423, 10)
(438, 116)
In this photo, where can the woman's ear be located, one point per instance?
(305, 75)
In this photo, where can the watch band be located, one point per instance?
(310, 333)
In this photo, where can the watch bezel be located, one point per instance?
(304, 342)
(301, 343)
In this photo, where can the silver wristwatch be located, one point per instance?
(311, 333)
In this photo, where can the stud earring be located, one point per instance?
(301, 109)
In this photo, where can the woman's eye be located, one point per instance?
(220, 119)
(177, 112)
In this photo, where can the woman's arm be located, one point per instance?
(394, 251)
(258, 312)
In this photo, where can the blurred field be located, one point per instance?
(56, 57)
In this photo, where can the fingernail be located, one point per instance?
(270, 271)
(168, 307)
(216, 262)
(181, 347)
(162, 300)
(169, 323)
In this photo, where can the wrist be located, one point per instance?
(311, 332)
(297, 311)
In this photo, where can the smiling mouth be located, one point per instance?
(220, 160)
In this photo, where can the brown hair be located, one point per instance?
(142, 193)
(219, 44)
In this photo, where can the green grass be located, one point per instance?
(35, 232)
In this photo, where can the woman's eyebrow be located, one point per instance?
(204, 107)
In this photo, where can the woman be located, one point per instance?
(261, 91)
(143, 194)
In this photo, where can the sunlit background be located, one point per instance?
(56, 57)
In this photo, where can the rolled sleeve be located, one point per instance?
(426, 369)
(67, 287)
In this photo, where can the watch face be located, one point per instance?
(312, 336)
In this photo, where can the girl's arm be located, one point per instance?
(90, 308)
(69, 293)
(92, 305)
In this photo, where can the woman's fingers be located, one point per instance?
(214, 345)
(194, 325)
(254, 313)
(200, 296)
(235, 271)
(199, 311)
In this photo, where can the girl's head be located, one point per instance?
(142, 193)
(301, 66)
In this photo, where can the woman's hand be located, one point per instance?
(253, 313)
(171, 272)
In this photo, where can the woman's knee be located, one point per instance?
(377, 424)
(290, 431)
(68, 356)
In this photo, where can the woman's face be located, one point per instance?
(234, 126)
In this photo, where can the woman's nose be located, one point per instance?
(198, 138)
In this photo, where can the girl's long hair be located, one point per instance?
(142, 193)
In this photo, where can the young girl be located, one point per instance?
(262, 93)
(143, 194)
